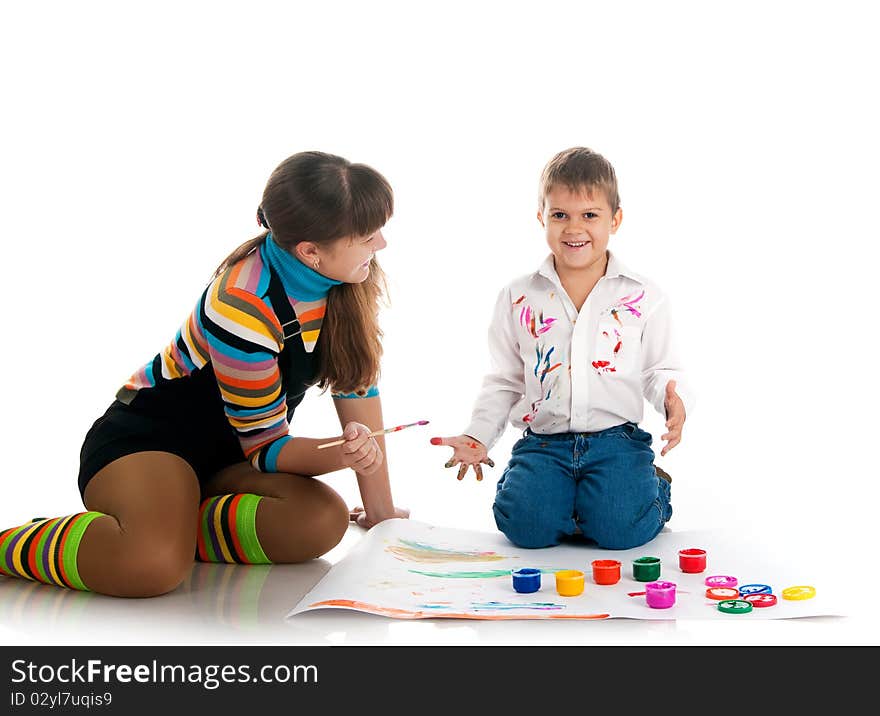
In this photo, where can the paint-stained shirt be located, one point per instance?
(560, 370)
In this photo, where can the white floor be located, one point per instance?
(807, 509)
(231, 604)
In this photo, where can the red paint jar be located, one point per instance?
(606, 571)
(692, 560)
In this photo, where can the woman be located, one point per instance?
(194, 454)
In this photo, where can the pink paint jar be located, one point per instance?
(692, 560)
(606, 571)
(660, 595)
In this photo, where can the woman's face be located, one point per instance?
(347, 259)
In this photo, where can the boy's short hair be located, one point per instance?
(578, 169)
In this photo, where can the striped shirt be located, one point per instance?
(236, 331)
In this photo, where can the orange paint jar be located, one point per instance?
(606, 571)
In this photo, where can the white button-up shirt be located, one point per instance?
(559, 370)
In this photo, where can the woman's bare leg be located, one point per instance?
(145, 545)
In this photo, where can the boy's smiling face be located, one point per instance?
(577, 226)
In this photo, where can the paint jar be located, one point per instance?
(692, 560)
(606, 571)
(646, 569)
(569, 582)
(660, 595)
(526, 580)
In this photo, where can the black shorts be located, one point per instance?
(207, 444)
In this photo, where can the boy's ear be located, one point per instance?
(541, 217)
(616, 219)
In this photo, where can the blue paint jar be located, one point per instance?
(526, 580)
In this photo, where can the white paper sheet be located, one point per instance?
(407, 569)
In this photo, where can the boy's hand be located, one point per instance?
(467, 452)
(674, 418)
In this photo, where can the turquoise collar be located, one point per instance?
(300, 281)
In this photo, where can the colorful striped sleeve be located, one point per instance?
(244, 338)
(370, 392)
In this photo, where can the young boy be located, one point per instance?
(576, 347)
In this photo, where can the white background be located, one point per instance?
(136, 144)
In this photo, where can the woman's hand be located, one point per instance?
(467, 451)
(361, 452)
(359, 516)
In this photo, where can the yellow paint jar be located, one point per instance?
(569, 582)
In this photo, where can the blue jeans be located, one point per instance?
(602, 482)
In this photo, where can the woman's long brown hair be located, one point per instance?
(319, 197)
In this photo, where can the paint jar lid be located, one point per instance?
(734, 606)
(755, 589)
(760, 600)
(799, 592)
(722, 593)
(720, 580)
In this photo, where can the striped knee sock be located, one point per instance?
(228, 530)
(45, 550)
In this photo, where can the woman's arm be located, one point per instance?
(375, 488)
(301, 456)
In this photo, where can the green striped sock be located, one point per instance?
(228, 530)
(45, 550)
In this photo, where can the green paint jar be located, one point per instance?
(646, 569)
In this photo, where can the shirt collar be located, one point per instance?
(614, 269)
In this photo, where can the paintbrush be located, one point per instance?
(376, 432)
